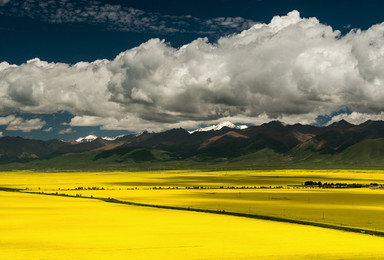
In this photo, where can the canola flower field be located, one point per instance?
(37, 226)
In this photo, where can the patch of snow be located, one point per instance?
(218, 127)
(241, 127)
(87, 139)
(111, 138)
(91, 138)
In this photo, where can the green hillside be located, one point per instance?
(366, 154)
(269, 146)
(369, 152)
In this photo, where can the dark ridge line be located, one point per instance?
(218, 212)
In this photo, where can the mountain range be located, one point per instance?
(270, 145)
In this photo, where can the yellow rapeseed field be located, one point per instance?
(359, 208)
(50, 227)
(184, 178)
(37, 226)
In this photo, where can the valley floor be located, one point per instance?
(46, 227)
(37, 226)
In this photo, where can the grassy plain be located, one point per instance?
(81, 224)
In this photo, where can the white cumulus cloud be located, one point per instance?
(65, 131)
(357, 118)
(49, 129)
(39, 86)
(291, 69)
(14, 123)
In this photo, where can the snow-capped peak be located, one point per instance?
(111, 138)
(91, 138)
(218, 127)
(87, 139)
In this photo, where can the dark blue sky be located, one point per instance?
(24, 38)
(68, 32)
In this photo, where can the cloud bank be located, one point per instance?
(292, 69)
(14, 123)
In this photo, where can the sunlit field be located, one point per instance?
(50, 226)
(183, 178)
(359, 208)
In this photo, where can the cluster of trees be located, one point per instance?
(312, 183)
(221, 187)
(89, 188)
(340, 185)
(164, 188)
